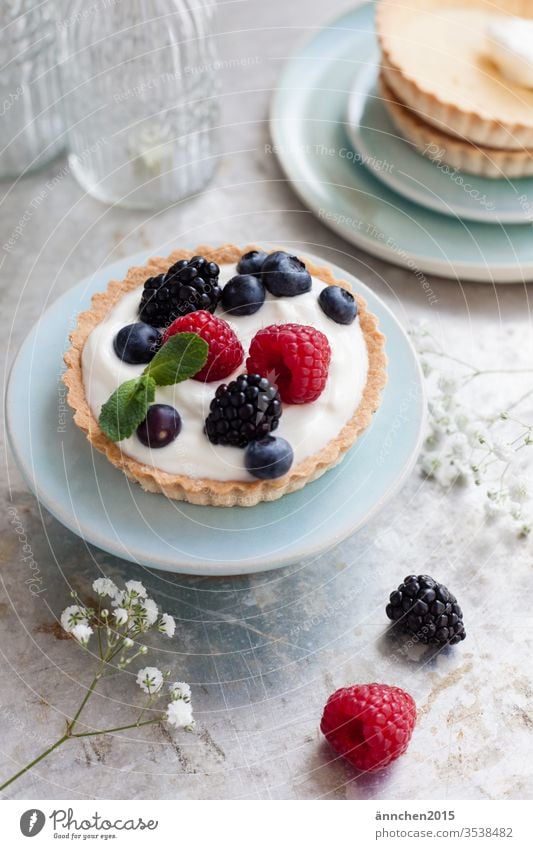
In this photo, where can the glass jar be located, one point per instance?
(139, 86)
(31, 123)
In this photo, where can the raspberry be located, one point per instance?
(293, 356)
(225, 351)
(369, 724)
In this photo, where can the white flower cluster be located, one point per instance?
(132, 608)
(179, 710)
(463, 446)
(131, 614)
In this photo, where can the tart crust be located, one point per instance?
(458, 88)
(205, 491)
(440, 147)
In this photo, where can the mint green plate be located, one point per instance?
(97, 502)
(397, 163)
(309, 131)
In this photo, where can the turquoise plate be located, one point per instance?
(308, 128)
(97, 502)
(397, 163)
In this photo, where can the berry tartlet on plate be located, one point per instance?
(225, 376)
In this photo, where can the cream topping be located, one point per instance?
(510, 46)
(308, 427)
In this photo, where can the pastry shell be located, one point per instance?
(205, 491)
(442, 148)
(453, 117)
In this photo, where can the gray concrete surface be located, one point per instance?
(263, 653)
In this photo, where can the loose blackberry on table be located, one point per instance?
(246, 409)
(427, 610)
(187, 286)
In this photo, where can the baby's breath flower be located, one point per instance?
(72, 616)
(458, 446)
(105, 586)
(150, 679)
(502, 450)
(121, 615)
(492, 509)
(180, 690)
(82, 632)
(448, 384)
(135, 589)
(478, 435)
(430, 464)
(115, 649)
(150, 609)
(179, 714)
(167, 625)
(519, 490)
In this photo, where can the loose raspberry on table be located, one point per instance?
(369, 724)
(225, 351)
(295, 357)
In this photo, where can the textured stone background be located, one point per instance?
(263, 653)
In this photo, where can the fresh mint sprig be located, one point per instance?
(178, 359)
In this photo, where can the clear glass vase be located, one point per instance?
(31, 121)
(139, 90)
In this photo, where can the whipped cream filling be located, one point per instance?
(308, 427)
(510, 46)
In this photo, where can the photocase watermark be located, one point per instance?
(35, 581)
(437, 154)
(340, 152)
(331, 609)
(527, 208)
(37, 201)
(10, 100)
(374, 232)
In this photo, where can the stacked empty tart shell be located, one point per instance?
(444, 91)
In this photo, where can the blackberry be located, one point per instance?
(427, 610)
(246, 409)
(187, 286)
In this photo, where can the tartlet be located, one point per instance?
(434, 60)
(457, 153)
(206, 490)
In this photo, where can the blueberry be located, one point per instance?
(268, 458)
(160, 427)
(338, 304)
(137, 343)
(284, 274)
(244, 294)
(251, 263)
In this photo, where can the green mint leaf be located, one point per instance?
(123, 412)
(181, 357)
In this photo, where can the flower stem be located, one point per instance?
(86, 698)
(118, 728)
(34, 762)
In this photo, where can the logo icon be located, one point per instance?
(32, 822)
